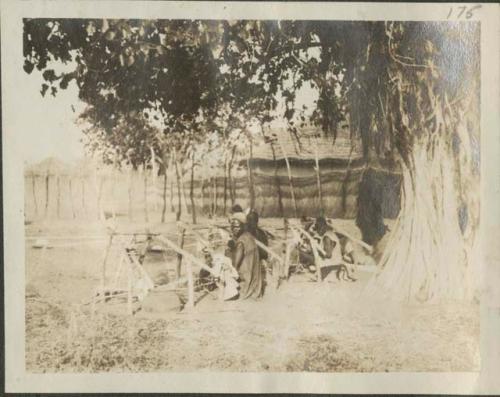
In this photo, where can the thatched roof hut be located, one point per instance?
(308, 174)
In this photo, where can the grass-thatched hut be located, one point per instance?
(313, 174)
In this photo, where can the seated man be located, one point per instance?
(330, 252)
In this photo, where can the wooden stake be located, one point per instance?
(145, 176)
(104, 263)
(83, 194)
(190, 301)
(47, 194)
(58, 191)
(71, 198)
(129, 287)
(165, 185)
(130, 186)
(33, 186)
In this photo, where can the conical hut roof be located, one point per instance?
(48, 166)
(311, 142)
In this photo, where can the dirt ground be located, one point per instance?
(303, 326)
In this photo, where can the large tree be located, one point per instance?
(410, 89)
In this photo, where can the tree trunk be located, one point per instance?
(278, 184)
(100, 186)
(154, 174)
(232, 193)
(425, 257)
(178, 177)
(145, 178)
(251, 186)
(183, 191)
(165, 186)
(71, 198)
(191, 190)
(180, 243)
(290, 179)
(225, 186)
(202, 193)
(58, 192)
(33, 188)
(83, 195)
(130, 194)
(47, 195)
(318, 180)
(215, 196)
(113, 194)
(172, 208)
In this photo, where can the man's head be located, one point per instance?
(207, 256)
(321, 226)
(237, 221)
(236, 208)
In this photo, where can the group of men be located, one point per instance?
(242, 269)
(328, 251)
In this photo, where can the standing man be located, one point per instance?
(260, 236)
(246, 258)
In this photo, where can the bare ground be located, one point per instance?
(304, 326)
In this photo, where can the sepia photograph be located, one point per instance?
(251, 195)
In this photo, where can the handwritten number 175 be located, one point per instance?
(458, 12)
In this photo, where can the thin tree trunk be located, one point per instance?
(113, 193)
(191, 190)
(215, 196)
(100, 186)
(290, 179)
(230, 177)
(58, 192)
(47, 194)
(184, 197)
(145, 178)
(33, 188)
(345, 182)
(225, 185)
(130, 194)
(178, 177)
(83, 195)
(165, 185)
(202, 192)
(180, 243)
(318, 180)
(71, 198)
(278, 185)
(251, 186)
(154, 174)
(172, 208)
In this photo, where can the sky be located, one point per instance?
(57, 133)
